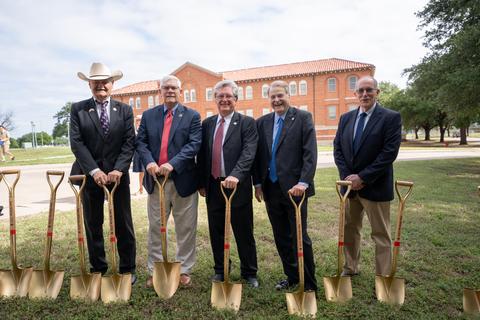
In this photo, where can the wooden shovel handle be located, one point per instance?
(53, 195)
(298, 219)
(163, 222)
(11, 197)
(111, 218)
(228, 212)
(78, 199)
(341, 222)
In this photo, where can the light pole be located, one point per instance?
(33, 135)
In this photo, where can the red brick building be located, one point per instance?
(323, 87)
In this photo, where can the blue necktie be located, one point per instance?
(273, 168)
(104, 117)
(358, 134)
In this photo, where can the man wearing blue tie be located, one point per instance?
(285, 162)
(365, 147)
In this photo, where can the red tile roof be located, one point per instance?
(283, 70)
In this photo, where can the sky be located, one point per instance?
(43, 44)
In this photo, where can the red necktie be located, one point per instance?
(217, 151)
(166, 134)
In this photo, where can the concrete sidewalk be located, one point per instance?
(32, 193)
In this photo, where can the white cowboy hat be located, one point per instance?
(99, 71)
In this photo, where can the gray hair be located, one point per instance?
(226, 83)
(279, 83)
(170, 77)
(375, 83)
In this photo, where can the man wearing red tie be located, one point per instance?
(168, 139)
(102, 136)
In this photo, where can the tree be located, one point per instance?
(13, 143)
(63, 116)
(6, 120)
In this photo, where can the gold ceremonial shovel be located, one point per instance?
(15, 282)
(389, 288)
(225, 294)
(85, 286)
(339, 288)
(47, 283)
(166, 275)
(300, 302)
(471, 297)
(119, 286)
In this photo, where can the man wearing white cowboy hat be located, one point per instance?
(102, 136)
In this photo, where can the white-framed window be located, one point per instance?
(352, 107)
(248, 93)
(157, 100)
(266, 111)
(305, 108)
(265, 91)
(131, 102)
(352, 80)
(209, 94)
(186, 95)
(209, 113)
(241, 111)
(250, 112)
(139, 103)
(150, 101)
(293, 88)
(193, 95)
(331, 85)
(240, 94)
(303, 87)
(332, 113)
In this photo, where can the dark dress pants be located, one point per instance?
(93, 201)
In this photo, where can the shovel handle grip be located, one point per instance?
(11, 171)
(77, 177)
(56, 172)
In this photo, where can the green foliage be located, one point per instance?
(13, 143)
(63, 116)
(61, 141)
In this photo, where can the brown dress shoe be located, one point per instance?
(185, 279)
(149, 282)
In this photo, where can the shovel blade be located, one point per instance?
(10, 287)
(226, 295)
(39, 286)
(390, 290)
(166, 276)
(338, 289)
(116, 288)
(471, 300)
(87, 287)
(301, 303)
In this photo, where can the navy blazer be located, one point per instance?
(296, 153)
(93, 150)
(239, 147)
(183, 145)
(377, 150)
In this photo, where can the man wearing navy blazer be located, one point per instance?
(292, 133)
(102, 136)
(365, 147)
(175, 131)
(235, 136)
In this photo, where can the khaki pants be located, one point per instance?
(4, 148)
(184, 212)
(378, 214)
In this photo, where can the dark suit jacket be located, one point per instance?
(183, 145)
(377, 150)
(296, 153)
(239, 147)
(93, 150)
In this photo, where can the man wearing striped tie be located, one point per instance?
(102, 136)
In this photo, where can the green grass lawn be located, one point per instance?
(440, 254)
(43, 155)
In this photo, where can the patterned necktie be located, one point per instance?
(273, 167)
(217, 151)
(358, 133)
(163, 158)
(104, 117)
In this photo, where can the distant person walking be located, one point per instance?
(5, 140)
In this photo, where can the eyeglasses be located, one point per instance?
(169, 88)
(361, 91)
(225, 96)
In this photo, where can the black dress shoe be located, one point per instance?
(351, 274)
(253, 282)
(134, 278)
(284, 284)
(218, 277)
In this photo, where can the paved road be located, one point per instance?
(32, 193)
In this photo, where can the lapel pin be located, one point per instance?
(234, 123)
(91, 110)
(114, 109)
(293, 118)
(180, 115)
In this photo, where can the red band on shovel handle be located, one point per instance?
(227, 247)
(163, 230)
(397, 244)
(13, 232)
(300, 255)
(340, 244)
(112, 239)
(49, 234)
(80, 240)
